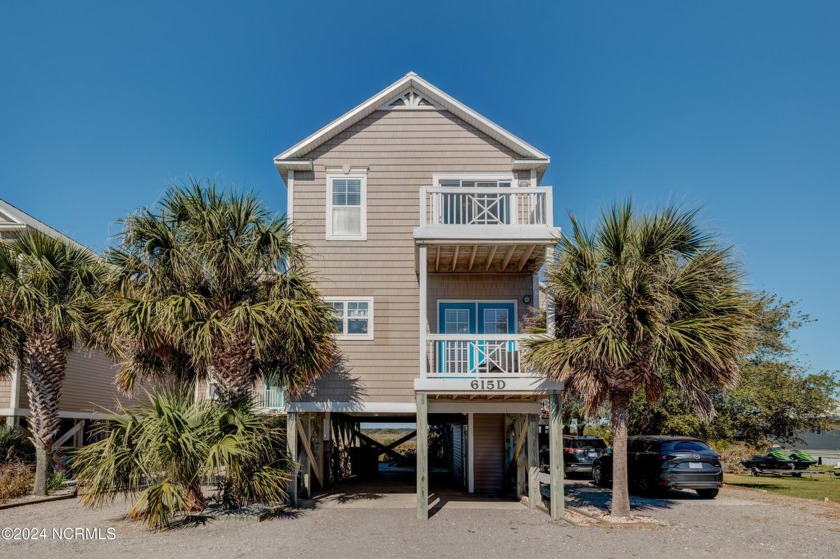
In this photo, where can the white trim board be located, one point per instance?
(351, 407)
(24, 412)
(435, 406)
(410, 81)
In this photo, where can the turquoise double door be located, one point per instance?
(470, 354)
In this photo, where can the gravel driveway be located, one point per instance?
(739, 523)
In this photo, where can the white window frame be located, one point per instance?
(344, 335)
(353, 174)
(438, 177)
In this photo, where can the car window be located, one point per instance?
(586, 443)
(684, 446)
(638, 445)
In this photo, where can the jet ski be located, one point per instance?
(773, 460)
(802, 460)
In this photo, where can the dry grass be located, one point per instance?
(16, 480)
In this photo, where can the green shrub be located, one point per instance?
(16, 480)
(56, 482)
(15, 445)
(161, 453)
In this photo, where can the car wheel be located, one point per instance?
(647, 485)
(599, 476)
(707, 493)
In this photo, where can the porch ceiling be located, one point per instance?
(508, 258)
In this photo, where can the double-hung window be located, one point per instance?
(347, 207)
(353, 317)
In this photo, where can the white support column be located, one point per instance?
(471, 452)
(290, 195)
(535, 289)
(424, 322)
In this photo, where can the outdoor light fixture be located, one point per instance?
(526, 299)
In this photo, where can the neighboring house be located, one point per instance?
(88, 389)
(823, 443)
(427, 225)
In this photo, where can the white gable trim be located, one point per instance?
(25, 220)
(430, 92)
(411, 100)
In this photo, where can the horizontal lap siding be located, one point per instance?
(402, 150)
(89, 385)
(6, 392)
(488, 453)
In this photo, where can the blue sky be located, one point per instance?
(732, 106)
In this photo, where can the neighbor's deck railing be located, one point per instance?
(475, 355)
(271, 397)
(486, 206)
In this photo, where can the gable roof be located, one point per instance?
(294, 157)
(14, 219)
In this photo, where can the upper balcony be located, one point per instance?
(487, 229)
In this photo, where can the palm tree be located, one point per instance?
(642, 299)
(47, 288)
(210, 285)
(162, 451)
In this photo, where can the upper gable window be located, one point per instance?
(347, 207)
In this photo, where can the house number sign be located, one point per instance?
(488, 385)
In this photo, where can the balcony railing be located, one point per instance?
(476, 356)
(486, 206)
(271, 397)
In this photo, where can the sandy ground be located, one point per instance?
(376, 522)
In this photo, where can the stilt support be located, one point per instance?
(534, 496)
(423, 457)
(292, 449)
(555, 439)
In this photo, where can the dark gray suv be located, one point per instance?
(656, 462)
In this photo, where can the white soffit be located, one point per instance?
(293, 158)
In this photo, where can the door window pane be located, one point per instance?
(495, 321)
(457, 321)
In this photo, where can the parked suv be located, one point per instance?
(659, 462)
(578, 454)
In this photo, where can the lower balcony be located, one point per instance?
(270, 398)
(475, 363)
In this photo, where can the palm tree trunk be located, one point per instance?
(45, 362)
(619, 417)
(233, 367)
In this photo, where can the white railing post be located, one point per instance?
(424, 349)
(549, 208)
(423, 215)
(514, 207)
